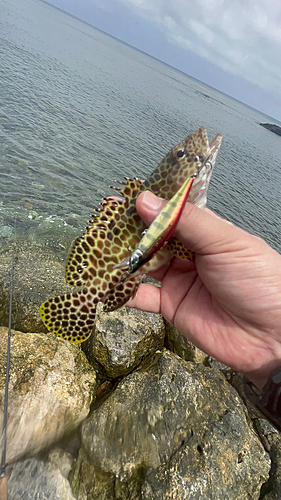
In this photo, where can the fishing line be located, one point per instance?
(3, 479)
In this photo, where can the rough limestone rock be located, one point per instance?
(34, 479)
(181, 430)
(122, 339)
(180, 345)
(38, 275)
(50, 392)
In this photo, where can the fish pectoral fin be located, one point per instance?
(121, 294)
(71, 316)
(179, 250)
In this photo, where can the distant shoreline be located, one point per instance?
(272, 127)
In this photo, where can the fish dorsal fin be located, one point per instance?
(130, 190)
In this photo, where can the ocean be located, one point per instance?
(80, 110)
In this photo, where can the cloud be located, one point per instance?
(243, 37)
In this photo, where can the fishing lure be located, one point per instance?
(116, 229)
(161, 229)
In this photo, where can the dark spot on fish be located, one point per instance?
(90, 241)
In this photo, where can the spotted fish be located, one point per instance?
(116, 230)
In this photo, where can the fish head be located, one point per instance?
(194, 156)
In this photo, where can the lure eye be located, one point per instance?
(134, 261)
(180, 153)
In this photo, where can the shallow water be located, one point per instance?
(79, 109)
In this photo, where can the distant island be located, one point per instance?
(272, 127)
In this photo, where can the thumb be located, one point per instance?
(197, 229)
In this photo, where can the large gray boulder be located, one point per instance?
(51, 388)
(176, 430)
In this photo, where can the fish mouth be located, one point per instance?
(214, 146)
(198, 192)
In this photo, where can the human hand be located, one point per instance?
(229, 302)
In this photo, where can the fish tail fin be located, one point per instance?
(70, 316)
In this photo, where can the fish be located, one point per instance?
(116, 230)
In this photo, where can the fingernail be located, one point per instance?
(151, 201)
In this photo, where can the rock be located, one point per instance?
(122, 339)
(34, 479)
(181, 429)
(272, 127)
(180, 345)
(38, 275)
(272, 489)
(50, 392)
(89, 482)
(270, 437)
(61, 460)
(225, 465)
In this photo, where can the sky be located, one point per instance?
(231, 45)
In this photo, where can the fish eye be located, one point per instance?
(180, 153)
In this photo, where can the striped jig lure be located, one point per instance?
(116, 240)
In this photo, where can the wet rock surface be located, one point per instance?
(50, 391)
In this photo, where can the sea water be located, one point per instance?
(80, 110)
